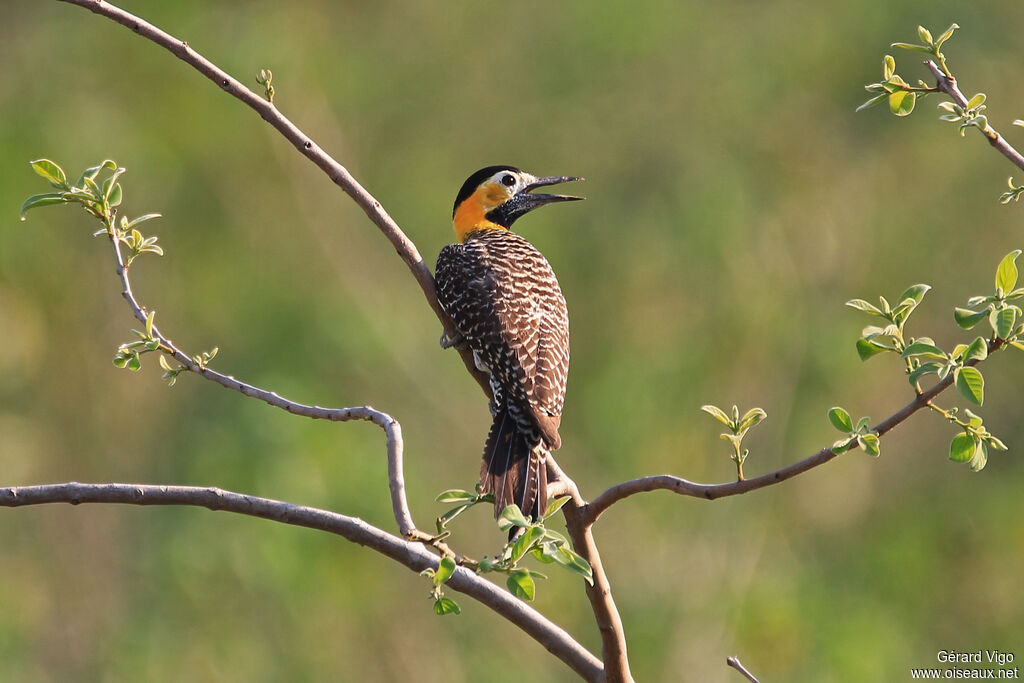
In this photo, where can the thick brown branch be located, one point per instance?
(606, 614)
(948, 85)
(302, 142)
(684, 487)
(412, 555)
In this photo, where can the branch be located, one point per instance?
(947, 84)
(412, 555)
(684, 487)
(302, 142)
(606, 614)
(735, 663)
(392, 428)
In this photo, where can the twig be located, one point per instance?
(948, 85)
(685, 487)
(412, 555)
(735, 663)
(302, 142)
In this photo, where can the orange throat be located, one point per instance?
(471, 215)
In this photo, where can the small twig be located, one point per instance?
(735, 663)
(948, 85)
(685, 487)
(410, 554)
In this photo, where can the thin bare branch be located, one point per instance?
(948, 85)
(412, 555)
(684, 487)
(392, 428)
(302, 142)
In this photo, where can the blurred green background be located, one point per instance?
(735, 201)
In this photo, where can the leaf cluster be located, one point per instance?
(859, 436)
(531, 538)
(738, 427)
(922, 358)
(900, 95)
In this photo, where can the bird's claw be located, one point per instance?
(458, 341)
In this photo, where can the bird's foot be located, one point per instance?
(458, 341)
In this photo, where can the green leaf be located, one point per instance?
(866, 349)
(444, 606)
(925, 35)
(971, 384)
(869, 443)
(888, 67)
(976, 101)
(901, 103)
(924, 349)
(945, 35)
(961, 448)
(134, 364)
(555, 505)
(512, 516)
(978, 350)
(141, 219)
(1006, 273)
(524, 542)
(840, 419)
(980, 458)
(552, 535)
(751, 418)
(115, 196)
(44, 199)
(966, 318)
(718, 414)
(454, 496)
(872, 102)
(570, 560)
(862, 305)
(445, 569)
(915, 292)
(924, 369)
(521, 584)
(51, 171)
(911, 46)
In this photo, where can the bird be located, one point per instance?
(508, 308)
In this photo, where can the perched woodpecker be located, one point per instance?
(507, 306)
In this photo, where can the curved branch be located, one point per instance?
(412, 555)
(302, 142)
(947, 84)
(685, 487)
(392, 428)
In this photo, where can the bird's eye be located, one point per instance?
(508, 180)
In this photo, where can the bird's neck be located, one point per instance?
(470, 217)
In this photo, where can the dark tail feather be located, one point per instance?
(514, 469)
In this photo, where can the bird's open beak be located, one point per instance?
(535, 200)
